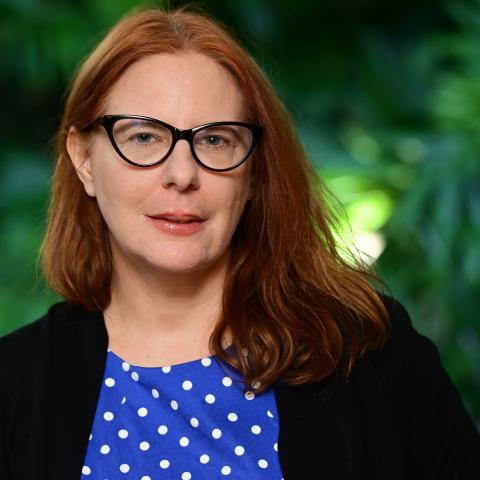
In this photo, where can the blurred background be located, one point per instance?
(385, 97)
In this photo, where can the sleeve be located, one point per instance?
(440, 439)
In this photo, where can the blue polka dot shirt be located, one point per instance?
(188, 421)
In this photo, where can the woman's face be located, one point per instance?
(142, 205)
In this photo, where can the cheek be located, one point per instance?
(231, 201)
(117, 191)
(119, 205)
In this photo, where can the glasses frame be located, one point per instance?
(108, 122)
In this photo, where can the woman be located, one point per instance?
(210, 329)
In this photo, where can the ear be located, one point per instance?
(80, 157)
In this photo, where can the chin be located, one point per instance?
(184, 262)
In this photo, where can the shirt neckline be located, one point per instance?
(206, 361)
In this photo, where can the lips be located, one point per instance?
(177, 223)
(178, 217)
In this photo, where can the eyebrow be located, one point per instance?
(134, 121)
(230, 128)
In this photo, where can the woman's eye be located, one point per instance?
(142, 137)
(214, 141)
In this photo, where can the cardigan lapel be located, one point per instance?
(78, 356)
(312, 440)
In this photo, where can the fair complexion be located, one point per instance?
(166, 288)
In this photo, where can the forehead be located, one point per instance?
(184, 89)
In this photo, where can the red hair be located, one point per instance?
(299, 310)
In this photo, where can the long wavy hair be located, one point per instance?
(298, 311)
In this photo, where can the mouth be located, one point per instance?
(178, 217)
(177, 223)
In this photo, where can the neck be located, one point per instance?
(160, 318)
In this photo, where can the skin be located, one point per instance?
(166, 290)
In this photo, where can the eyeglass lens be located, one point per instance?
(144, 142)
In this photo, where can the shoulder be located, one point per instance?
(27, 335)
(409, 372)
(401, 329)
(435, 428)
(18, 343)
(408, 359)
(406, 351)
(399, 321)
(21, 347)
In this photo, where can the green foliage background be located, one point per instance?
(386, 99)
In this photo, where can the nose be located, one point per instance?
(180, 170)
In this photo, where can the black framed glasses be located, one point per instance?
(146, 142)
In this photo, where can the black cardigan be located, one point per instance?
(398, 418)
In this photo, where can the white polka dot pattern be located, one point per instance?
(109, 382)
(142, 412)
(209, 398)
(194, 422)
(232, 416)
(108, 416)
(256, 429)
(104, 449)
(187, 385)
(239, 450)
(206, 362)
(184, 441)
(227, 381)
(188, 421)
(226, 470)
